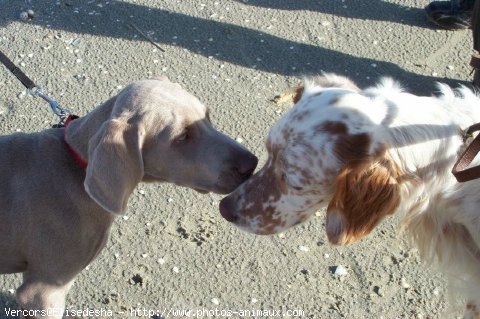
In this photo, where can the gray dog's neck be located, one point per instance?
(81, 130)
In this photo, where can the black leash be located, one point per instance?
(35, 90)
(22, 77)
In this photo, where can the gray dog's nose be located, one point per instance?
(246, 164)
(227, 209)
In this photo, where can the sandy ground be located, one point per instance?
(173, 251)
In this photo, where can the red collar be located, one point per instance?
(80, 161)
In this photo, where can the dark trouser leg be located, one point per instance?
(475, 61)
(476, 26)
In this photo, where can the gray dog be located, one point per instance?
(55, 215)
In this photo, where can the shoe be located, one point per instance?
(448, 16)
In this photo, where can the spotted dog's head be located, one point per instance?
(322, 153)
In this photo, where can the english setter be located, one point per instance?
(367, 154)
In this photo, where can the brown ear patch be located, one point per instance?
(293, 94)
(365, 192)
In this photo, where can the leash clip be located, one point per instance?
(37, 91)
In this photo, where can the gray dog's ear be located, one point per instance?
(115, 165)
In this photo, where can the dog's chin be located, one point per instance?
(217, 189)
(256, 231)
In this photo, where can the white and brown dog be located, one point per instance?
(367, 154)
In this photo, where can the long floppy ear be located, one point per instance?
(365, 192)
(115, 165)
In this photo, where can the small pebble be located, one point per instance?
(326, 256)
(12, 291)
(22, 95)
(75, 42)
(450, 67)
(215, 301)
(30, 14)
(175, 269)
(161, 261)
(239, 139)
(340, 271)
(281, 235)
(325, 23)
(404, 283)
(318, 214)
(378, 291)
(125, 217)
(253, 300)
(142, 192)
(303, 248)
(144, 255)
(23, 16)
(170, 200)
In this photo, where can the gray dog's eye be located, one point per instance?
(183, 136)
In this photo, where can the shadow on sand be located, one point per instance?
(235, 44)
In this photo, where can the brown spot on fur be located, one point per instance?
(331, 127)
(335, 100)
(317, 94)
(352, 147)
(286, 133)
(300, 116)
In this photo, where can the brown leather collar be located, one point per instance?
(460, 170)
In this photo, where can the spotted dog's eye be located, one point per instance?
(289, 183)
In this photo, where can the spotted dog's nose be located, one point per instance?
(227, 209)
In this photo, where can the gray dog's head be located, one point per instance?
(156, 131)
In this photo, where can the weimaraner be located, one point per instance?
(55, 216)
